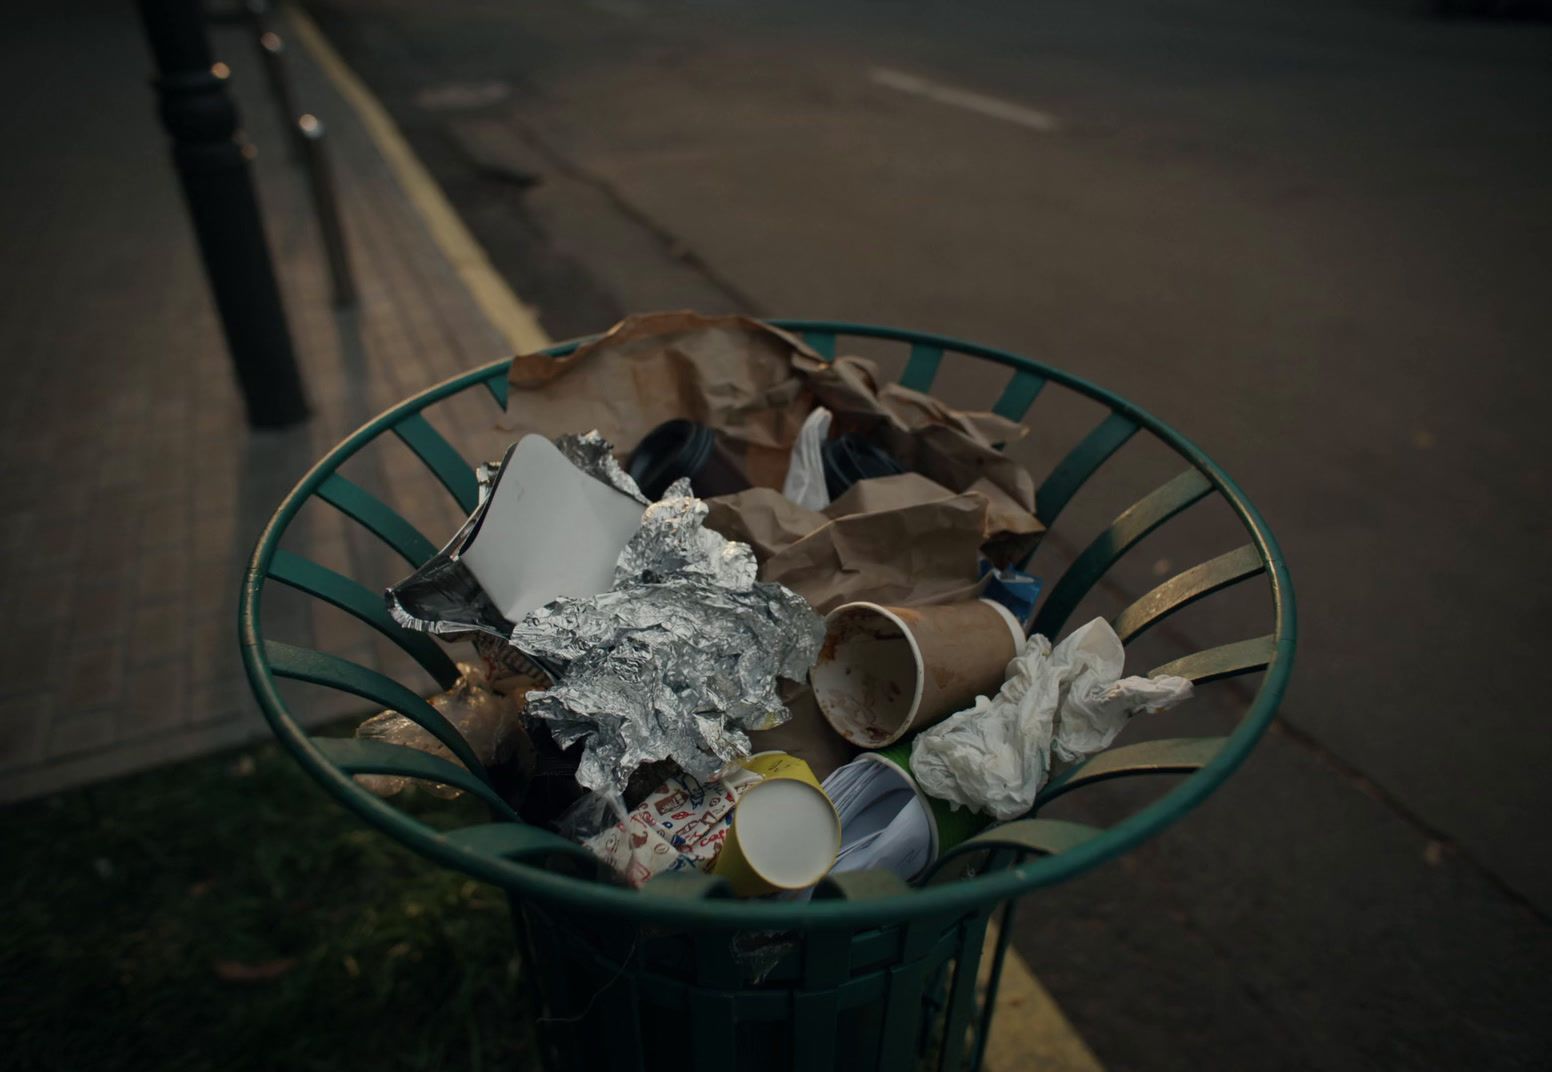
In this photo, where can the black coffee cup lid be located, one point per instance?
(850, 458)
(671, 450)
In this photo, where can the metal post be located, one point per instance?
(326, 205)
(272, 51)
(212, 163)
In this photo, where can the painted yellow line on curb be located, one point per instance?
(511, 317)
(1028, 1028)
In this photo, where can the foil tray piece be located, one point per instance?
(442, 597)
(594, 455)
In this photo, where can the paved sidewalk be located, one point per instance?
(132, 489)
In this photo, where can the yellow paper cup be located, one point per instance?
(785, 831)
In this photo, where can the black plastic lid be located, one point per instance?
(850, 458)
(671, 450)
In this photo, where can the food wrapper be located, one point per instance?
(675, 661)
(443, 597)
(680, 826)
(489, 722)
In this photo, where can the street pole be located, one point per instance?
(321, 179)
(212, 163)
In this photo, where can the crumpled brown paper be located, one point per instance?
(896, 539)
(732, 373)
(491, 723)
(754, 384)
(956, 449)
(806, 734)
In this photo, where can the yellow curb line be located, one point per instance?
(1028, 1028)
(507, 314)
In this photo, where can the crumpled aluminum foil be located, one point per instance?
(442, 597)
(594, 455)
(675, 661)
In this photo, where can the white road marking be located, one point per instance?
(964, 98)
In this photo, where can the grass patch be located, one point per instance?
(226, 914)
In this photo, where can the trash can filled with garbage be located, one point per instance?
(742, 651)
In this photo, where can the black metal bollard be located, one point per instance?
(212, 164)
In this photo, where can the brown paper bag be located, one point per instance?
(753, 385)
(958, 450)
(731, 373)
(895, 539)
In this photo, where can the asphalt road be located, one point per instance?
(1315, 237)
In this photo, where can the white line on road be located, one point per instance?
(964, 98)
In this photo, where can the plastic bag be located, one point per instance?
(994, 756)
(805, 483)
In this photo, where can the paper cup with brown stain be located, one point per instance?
(785, 831)
(887, 671)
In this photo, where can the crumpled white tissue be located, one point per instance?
(994, 756)
(805, 483)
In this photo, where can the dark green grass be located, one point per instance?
(133, 909)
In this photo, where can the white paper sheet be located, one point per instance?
(551, 530)
(884, 824)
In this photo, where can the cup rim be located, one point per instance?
(916, 658)
(926, 801)
(1020, 638)
(835, 825)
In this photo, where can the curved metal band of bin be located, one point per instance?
(493, 852)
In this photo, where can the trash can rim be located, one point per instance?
(598, 898)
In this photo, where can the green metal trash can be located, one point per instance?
(869, 974)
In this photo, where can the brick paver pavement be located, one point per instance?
(131, 490)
